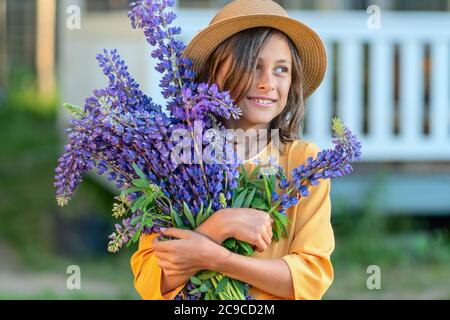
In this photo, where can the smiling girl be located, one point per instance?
(270, 63)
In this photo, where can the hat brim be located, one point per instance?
(308, 43)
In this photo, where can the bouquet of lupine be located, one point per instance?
(122, 133)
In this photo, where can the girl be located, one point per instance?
(270, 63)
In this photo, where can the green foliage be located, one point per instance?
(28, 156)
(23, 95)
(371, 236)
(76, 111)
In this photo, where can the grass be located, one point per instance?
(414, 261)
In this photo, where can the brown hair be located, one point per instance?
(243, 48)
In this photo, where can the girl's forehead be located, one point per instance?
(276, 49)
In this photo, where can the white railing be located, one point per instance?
(411, 33)
(407, 33)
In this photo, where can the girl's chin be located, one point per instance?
(259, 117)
(258, 121)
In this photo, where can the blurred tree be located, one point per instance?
(107, 5)
(21, 34)
(3, 49)
(45, 47)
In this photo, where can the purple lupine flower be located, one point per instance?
(121, 125)
(284, 183)
(329, 163)
(124, 232)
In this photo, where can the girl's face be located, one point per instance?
(268, 93)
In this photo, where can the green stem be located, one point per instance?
(237, 291)
(213, 281)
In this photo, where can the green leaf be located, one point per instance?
(136, 220)
(230, 242)
(159, 216)
(196, 281)
(205, 286)
(268, 193)
(148, 222)
(238, 284)
(207, 212)
(240, 199)
(140, 183)
(139, 172)
(176, 219)
(279, 228)
(258, 203)
(277, 215)
(206, 274)
(255, 171)
(273, 183)
(276, 236)
(235, 193)
(136, 235)
(134, 239)
(248, 249)
(248, 199)
(130, 190)
(137, 204)
(76, 111)
(146, 202)
(194, 291)
(188, 214)
(221, 285)
(244, 174)
(257, 183)
(199, 215)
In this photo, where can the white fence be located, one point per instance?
(415, 44)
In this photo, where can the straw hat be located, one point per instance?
(244, 14)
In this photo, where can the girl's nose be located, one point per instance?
(265, 81)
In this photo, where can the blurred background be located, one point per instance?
(388, 78)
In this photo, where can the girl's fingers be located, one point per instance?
(176, 232)
(261, 245)
(267, 238)
(164, 256)
(161, 246)
(171, 269)
(166, 265)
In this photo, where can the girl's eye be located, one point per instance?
(284, 69)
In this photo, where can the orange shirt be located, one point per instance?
(306, 250)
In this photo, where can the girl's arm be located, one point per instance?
(156, 283)
(242, 224)
(305, 272)
(150, 280)
(260, 273)
(216, 229)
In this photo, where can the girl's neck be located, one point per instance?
(254, 139)
(252, 144)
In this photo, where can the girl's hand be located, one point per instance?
(190, 253)
(249, 225)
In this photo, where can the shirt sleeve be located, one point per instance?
(147, 273)
(313, 242)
